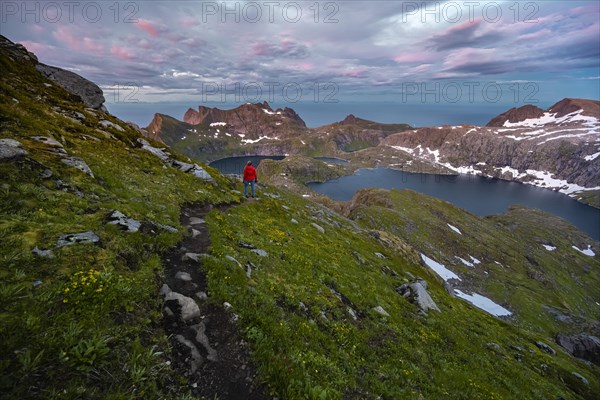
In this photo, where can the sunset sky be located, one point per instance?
(490, 55)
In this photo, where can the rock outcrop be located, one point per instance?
(90, 94)
(584, 346)
(86, 91)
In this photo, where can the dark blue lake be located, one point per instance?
(478, 195)
(235, 165)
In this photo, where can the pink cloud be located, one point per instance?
(414, 58)
(92, 46)
(147, 27)
(64, 35)
(122, 53)
(74, 42)
(188, 22)
(354, 73)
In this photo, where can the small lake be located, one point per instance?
(235, 165)
(478, 195)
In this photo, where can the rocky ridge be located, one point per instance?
(557, 149)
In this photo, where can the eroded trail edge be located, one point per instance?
(207, 348)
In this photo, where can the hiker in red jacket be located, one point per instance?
(249, 178)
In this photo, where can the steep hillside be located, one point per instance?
(556, 149)
(129, 272)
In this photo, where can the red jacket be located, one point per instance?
(249, 173)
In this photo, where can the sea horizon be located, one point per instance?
(320, 114)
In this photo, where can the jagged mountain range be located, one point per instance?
(557, 148)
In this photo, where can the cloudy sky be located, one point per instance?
(388, 60)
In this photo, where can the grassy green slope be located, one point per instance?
(308, 344)
(92, 328)
(515, 270)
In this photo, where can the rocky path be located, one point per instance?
(207, 348)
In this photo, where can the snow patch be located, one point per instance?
(439, 269)
(467, 263)
(218, 124)
(592, 157)
(587, 252)
(549, 248)
(246, 141)
(483, 303)
(455, 229)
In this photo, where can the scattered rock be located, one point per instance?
(246, 245)
(167, 228)
(183, 276)
(379, 255)
(381, 311)
(416, 293)
(108, 124)
(318, 227)
(42, 253)
(129, 224)
(227, 306)
(203, 340)
(10, 148)
(585, 381)
(193, 169)
(584, 346)
(195, 357)
(493, 346)
(160, 153)
(260, 252)
(190, 256)
(46, 174)
(230, 258)
(196, 221)
(195, 233)
(352, 313)
(36, 284)
(76, 238)
(202, 296)
(272, 195)
(249, 268)
(293, 221)
(78, 163)
(544, 347)
(188, 309)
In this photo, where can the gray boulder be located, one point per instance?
(129, 224)
(109, 124)
(318, 227)
(188, 309)
(381, 311)
(78, 163)
(544, 347)
(90, 94)
(76, 238)
(42, 253)
(584, 346)
(416, 293)
(260, 252)
(10, 148)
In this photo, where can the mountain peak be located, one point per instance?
(350, 119)
(515, 114)
(568, 105)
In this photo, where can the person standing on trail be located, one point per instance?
(249, 178)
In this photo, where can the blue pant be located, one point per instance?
(246, 187)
